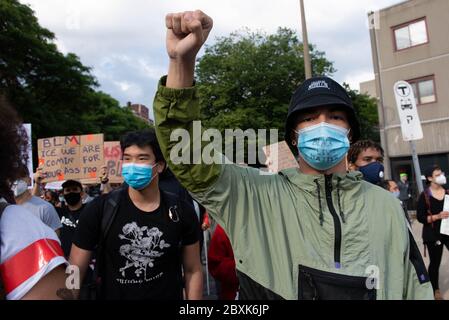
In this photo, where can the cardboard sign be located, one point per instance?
(113, 161)
(71, 157)
(279, 157)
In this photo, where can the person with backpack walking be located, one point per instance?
(146, 239)
(430, 213)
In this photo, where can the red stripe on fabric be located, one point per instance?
(25, 264)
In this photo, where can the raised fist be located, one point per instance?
(186, 33)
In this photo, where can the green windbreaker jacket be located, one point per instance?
(298, 236)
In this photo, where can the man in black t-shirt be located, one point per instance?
(147, 246)
(70, 212)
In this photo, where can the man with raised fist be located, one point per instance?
(316, 232)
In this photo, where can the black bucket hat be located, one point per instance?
(319, 92)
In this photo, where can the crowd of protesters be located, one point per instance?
(307, 233)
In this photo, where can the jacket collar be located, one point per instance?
(346, 181)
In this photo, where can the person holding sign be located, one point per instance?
(433, 207)
(316, 232)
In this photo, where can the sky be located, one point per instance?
(123, 41)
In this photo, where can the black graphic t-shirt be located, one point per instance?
(142, 251)
(69, 221)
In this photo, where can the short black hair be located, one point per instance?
(358, 147)
(143, 138)
(429, 171)
(385, 184)
(72, 183)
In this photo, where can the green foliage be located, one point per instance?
(366, 110)
(53, 91)
(246, 80)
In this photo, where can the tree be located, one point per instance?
(53, 91)
(108, 117)
(366, 111)
(246, 80)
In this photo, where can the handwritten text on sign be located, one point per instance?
(113, 160)
(71, 157)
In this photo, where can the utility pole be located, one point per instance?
(380, 98)
(305, 42)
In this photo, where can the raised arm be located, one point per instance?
(186, 34)
(176, 104)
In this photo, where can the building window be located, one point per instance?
(424, 90)
(411, 34)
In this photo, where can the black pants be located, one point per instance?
(435, 254)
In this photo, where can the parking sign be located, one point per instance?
(408, 113)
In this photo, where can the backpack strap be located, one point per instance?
(109, 212)
(170, 204)
(171, 201)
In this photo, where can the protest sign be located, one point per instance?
(71, 157)
(279, 157)
(113, 161)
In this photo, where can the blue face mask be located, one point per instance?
(373, 172)
(323, 145)
(137, 176)
(396, 194)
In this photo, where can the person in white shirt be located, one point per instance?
(39, 207)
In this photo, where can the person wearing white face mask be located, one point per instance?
(430, 213)
(39, 207)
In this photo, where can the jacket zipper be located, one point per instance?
(337, 223)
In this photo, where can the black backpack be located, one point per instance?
(3, 206)
(110, 208)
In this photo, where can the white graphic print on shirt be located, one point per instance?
(145, 245)
(68, 222)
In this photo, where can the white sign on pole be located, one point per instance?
(27, 127)
(408, 113)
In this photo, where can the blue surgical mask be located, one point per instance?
(396, 194)
(137, 176)
(373, 172)
(323, 145)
